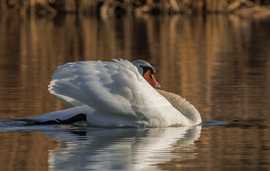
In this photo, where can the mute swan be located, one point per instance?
(114, 94)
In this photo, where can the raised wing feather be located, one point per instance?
(111, 87)
(61, 78)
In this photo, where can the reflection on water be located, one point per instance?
(218, 62)
(121, 149)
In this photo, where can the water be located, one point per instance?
(217, 62)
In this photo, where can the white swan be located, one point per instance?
(114, 94)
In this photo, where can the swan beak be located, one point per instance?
(151, 79)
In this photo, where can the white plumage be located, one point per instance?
(114, 94)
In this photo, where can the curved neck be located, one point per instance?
(182, 105)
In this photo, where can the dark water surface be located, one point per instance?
(220, 63)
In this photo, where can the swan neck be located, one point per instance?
(183, 106)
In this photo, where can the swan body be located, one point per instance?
(114, 94)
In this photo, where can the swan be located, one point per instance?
(114, 94)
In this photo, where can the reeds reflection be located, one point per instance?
(218, 62)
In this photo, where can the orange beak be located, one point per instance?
(151, 79)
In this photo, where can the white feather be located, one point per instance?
(116, 94)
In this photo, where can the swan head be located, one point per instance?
(147, 71)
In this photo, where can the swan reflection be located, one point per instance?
(121, 149)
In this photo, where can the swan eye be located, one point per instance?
(147, 68)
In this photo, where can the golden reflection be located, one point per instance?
(215, 61)
(25, 151)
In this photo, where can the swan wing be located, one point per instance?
(109, 87)
(61, 78)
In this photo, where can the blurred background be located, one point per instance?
(214, 53)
